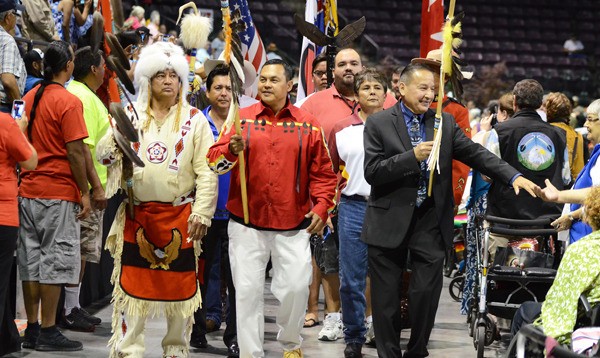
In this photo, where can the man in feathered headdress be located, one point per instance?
(174, 196)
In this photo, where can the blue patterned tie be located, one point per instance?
(414, 131)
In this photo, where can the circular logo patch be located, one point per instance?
(536, 151)
(156, 152)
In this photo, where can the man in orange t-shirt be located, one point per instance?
(14, 149)
(52, 199)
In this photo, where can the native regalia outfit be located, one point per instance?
(155, 263)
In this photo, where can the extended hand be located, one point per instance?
(522, 183)
(86, 207)
(549, 193)
(22, 123)
(422, 150)
(562, 223)
(99, 199)
(329, 224)
(316, 225)
(236, 144)
(486, 123)
(196, 230)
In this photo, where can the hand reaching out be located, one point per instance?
(549, 193)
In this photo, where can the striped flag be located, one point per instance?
(253, 48)
(322, 13)
(432, 19)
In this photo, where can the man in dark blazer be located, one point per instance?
(400, 218)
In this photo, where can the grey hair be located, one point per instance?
(155, 16)
(594, 108)
(4, 14)
(528, 94)
(369, 74)
(137, 11)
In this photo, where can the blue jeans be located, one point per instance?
(213, 289)
(353, 269)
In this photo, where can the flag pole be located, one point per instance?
(230, 59)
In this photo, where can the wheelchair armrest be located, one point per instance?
(587, 307)
(539, 272)
(506, 270)
(545, 222)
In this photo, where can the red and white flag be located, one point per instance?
(308, 52)
(432, 20)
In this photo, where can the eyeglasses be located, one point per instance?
(319, 73)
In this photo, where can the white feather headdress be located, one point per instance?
(157, 57)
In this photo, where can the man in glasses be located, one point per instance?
(319, 77)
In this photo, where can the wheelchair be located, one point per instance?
(531, 342)
(501, 289)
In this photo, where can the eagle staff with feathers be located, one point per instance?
(450, 67)
(233, 57)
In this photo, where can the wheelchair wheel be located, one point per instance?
(456, 288)
(490, 331)
(479, 340)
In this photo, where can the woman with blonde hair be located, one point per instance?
(135, 19)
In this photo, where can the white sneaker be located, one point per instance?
(332, 328)
(370, 335)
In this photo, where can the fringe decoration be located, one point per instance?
(107, 147)
(178, 114)
(432, 161)
(122, 303)
(149, 104)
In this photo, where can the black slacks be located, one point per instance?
(9, 335)
(217, 235)
(424, 244)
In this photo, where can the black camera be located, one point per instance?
(494, 113)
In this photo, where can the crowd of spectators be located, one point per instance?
(60, 82)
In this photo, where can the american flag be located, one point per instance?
(253, 49)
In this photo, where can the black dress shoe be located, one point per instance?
(353, 350)
(233, 350)
(199, 341)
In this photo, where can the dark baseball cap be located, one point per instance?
(34, 55)
(7, 5)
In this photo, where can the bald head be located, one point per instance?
(347, 65)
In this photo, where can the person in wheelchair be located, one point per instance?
(578, 273)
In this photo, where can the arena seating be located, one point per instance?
(527, 34)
